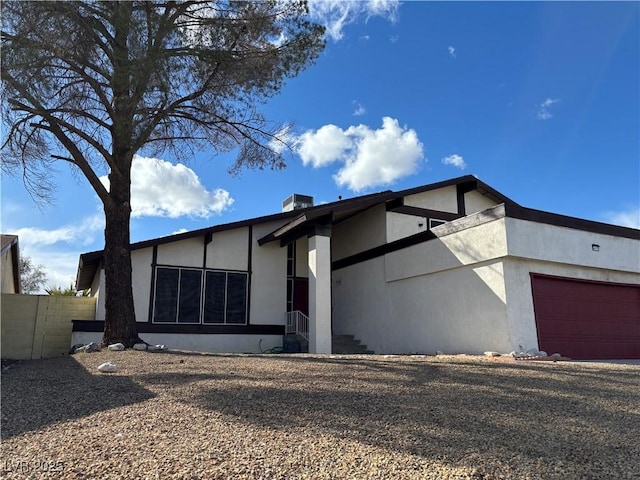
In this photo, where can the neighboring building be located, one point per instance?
(453, 266)
(10, 265)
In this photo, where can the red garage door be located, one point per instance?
(587, 320)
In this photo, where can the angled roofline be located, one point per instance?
(303, 218)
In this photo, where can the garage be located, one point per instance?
(585, 319)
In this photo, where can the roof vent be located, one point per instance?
(297, 202)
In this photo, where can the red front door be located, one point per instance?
(301, 295)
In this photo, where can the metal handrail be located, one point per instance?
(297, 323)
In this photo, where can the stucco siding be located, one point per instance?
(141, 275)
(474, 202)
(228, 250)
(483, 242)
(268, 284)
(182, 253)
(443, 199)
(455, 311)
(400, 225)
(359, 233)
(361, 302)
(198, 342)
(551, 243)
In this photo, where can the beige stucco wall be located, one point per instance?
(474, 202)
(141, 275)
(198, 342)
(476, 244)
(573, 247)
(400, 225)
(228, 250)
(359, 233)
(39, 326)
(443, 199)
(361, 302)
(268, 279)
(182, 253)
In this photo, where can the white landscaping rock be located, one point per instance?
(492, 354)
(140, 346)
(156, 348)
(107, 367)
(116, 347)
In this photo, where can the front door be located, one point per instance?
(301, 295)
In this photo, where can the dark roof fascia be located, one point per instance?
(368, 201)
(12, 242)
(556, 219)
(472, 184)
(323, 214)
(8, 241)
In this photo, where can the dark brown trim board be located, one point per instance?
(152, 290)
(190, 328)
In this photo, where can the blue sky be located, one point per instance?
(539, 100)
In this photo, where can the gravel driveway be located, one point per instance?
(191, 416)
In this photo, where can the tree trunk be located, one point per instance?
(120, 320)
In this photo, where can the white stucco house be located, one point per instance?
(453, 266)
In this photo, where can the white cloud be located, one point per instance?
(394, 38)
(321, 147)
(627, 218)
(452, 51)
(336, 14)
(161, 189)
(360, 110)
(282, 140)
(370, 157)
(543, 112)
(81, 233)
(55, 249)
(455, 160)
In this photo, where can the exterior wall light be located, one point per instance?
(595, 247)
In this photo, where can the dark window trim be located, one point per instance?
(383, 250)
(144, 327)
(202, 300)
(198, 269)
(249, 272)
(152, 290)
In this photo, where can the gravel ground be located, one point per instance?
(177, 415)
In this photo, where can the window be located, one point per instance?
(291, 273)
(225, 299)
(434, 222)
(181, 296)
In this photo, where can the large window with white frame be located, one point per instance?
(185, 295)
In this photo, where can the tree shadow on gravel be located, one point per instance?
(38, 393)
(567, 422)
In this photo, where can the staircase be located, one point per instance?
(348, 345)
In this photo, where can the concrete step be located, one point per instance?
(348, 344)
